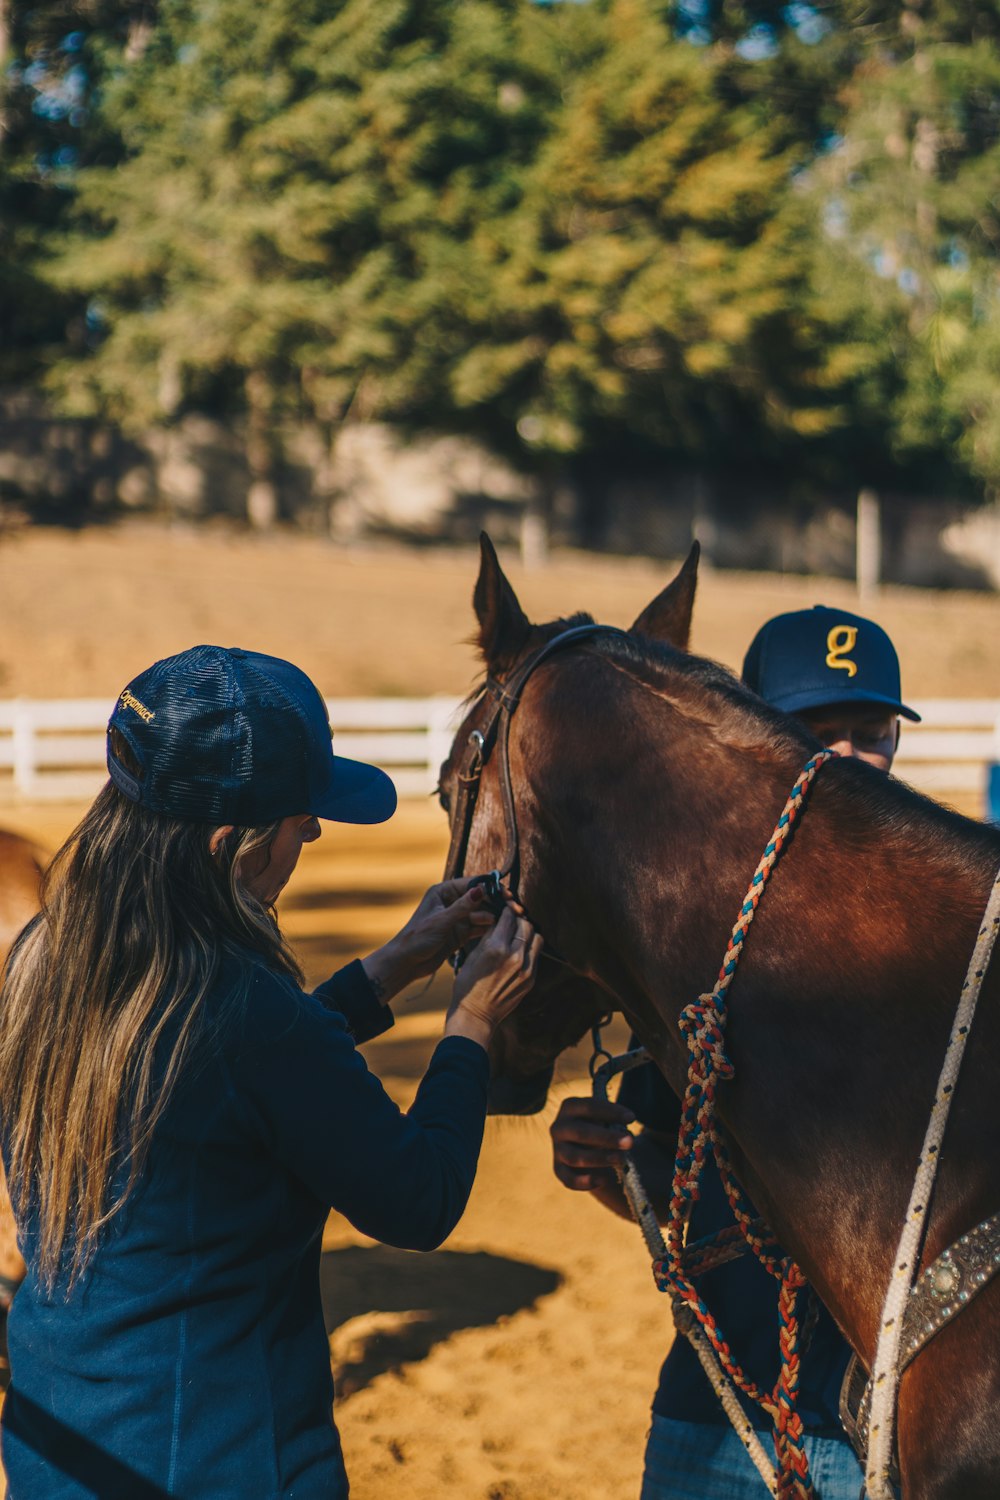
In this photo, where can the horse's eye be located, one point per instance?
(442, 797)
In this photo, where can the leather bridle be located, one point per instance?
(494, 733)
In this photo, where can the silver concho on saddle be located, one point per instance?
(940, 1293)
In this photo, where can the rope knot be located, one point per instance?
(702, 1025)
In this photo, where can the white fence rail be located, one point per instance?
(951, 748)
(54, 751)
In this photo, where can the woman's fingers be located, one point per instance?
(501, 967)
(510, 924)
(467, 917)
(449, 916)
(450, 891)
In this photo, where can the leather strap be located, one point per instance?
(495, 732)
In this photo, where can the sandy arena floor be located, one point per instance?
(518, 1362)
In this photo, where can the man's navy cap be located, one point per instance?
(813, 657)
(229, 736)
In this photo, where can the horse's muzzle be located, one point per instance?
(519, 1096)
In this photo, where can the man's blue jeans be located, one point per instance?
(703, 1461)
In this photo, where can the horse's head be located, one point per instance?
(493, 799)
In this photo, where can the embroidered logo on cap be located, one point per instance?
(841, 640)
(128, 700)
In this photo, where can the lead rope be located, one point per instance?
(885, 1378)
(642, 1212)
(703, 1026)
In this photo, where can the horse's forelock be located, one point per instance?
(539, 635)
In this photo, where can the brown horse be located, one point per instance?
(646, 783)
(22, 865)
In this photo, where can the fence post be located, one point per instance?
(23, 752)
(868, 558)
(992, 788)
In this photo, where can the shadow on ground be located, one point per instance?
(385, 1307)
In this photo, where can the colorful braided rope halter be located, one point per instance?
(676, 1264)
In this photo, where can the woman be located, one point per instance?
(179, 1117)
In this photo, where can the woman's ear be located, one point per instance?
(219, 836)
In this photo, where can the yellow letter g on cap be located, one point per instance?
(838, 643)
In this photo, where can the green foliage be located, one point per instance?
(31, 199)
(649, 279)
(734, 231)
(295, 199)
(908, 266)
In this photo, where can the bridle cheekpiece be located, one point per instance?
(494, 733)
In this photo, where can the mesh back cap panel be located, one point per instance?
(223, 735)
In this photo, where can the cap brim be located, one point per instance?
(794, 703)
(357, 793)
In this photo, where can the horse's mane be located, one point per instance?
(706, 691)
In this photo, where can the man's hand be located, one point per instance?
(449, 916)
(588, 1138)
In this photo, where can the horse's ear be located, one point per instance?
(668, 617)
(503, 625)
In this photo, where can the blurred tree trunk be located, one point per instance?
(262, 495)
(924, 156)
(534, 541)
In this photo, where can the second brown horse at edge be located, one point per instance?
(22, 865)
(646, 783)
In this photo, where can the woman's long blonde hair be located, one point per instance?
(136, 914)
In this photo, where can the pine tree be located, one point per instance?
(650, 281)
(287, 230)
(908, 271)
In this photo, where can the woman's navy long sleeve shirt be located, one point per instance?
(191, 1360)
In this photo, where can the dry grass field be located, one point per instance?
(82, 612)
(518, 1362)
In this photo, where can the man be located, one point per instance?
(838, 674)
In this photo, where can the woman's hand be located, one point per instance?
(494, 979)
(588, 1138)
(449, 916)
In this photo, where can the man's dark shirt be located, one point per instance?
(743, 1298)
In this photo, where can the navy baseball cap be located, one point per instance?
(813, 657)
(229, 736)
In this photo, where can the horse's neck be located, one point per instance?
(840, 1012)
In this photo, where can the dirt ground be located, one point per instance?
(518, 1362)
